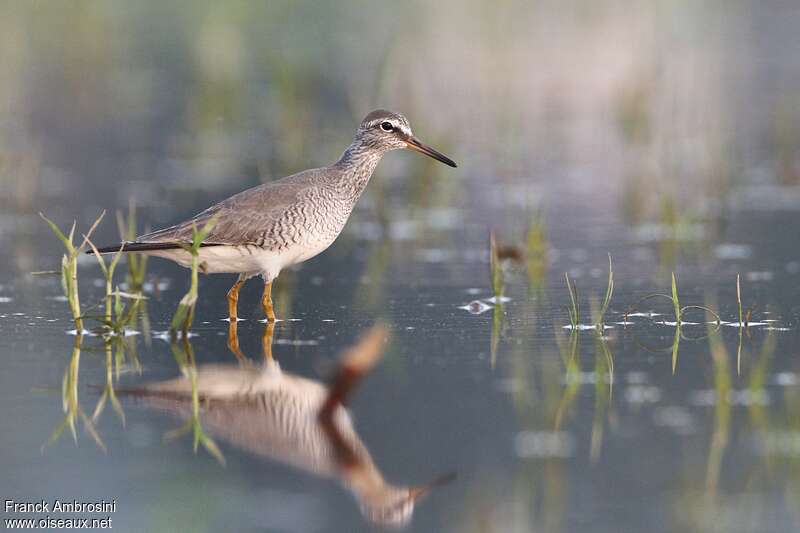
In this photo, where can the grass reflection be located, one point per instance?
(725, 503)
(574, 377)
(722, 415)
(114, 351)
(70, 403)
(497, 279)
(603, 394)
(184, 356)
(119, 355)
(572, 373)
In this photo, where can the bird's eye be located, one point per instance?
(387, 126)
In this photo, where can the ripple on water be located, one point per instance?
(743, 397)
(786, 379)
(476, 307)
(296, 342)
(498, 299)
(782, 443)
(642, 394)
(544, 444)
(675, 418)
(733, 252)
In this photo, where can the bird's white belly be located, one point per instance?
(228, 259)
(245, 259)
(308, 250)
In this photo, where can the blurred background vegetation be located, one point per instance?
(627, 99)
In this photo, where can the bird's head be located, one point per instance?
(386, 130)
(393, 507)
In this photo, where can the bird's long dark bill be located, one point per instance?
(414, 144)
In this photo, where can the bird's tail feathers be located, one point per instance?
(144, 247)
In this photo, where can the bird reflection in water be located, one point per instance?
(294, 420)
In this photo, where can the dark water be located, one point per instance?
(646, 427)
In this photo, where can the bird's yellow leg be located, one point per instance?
(266, 301)
(233, 297)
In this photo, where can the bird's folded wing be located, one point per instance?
(230, 227)
(243, 218)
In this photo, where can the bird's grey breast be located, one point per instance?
(312, 221)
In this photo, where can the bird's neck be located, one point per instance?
(356, 166)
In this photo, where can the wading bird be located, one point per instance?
(278, 224)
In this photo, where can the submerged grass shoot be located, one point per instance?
(137, 262)
(677, 309)
(496, 269)
(598, 312)
(599, 320)
(537, 246)
(739, 298)
(184, 314)
(498, 288)
(745, 314)
(117, 316)
(69, 265)
(573, 309)
(108, 274)
(676, 304)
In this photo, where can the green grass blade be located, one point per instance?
(72, 230)
(739, 299)
(494, 266)
(675, 303)
(58, 233)
(100, 260)
(91, 230)
(609, 294)
(574, 313)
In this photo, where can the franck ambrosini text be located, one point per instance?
(52, 509)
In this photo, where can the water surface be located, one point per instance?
(642, 426)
